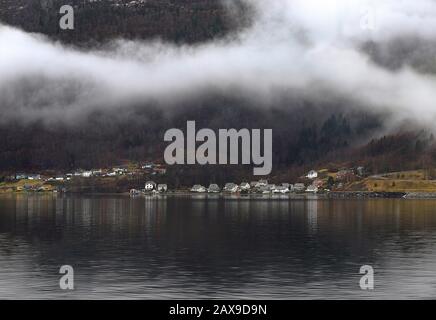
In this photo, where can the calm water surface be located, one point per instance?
(193, 247)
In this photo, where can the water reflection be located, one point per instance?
(215, 247)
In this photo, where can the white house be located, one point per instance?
(264, 189)
(280, 189)
(312, 174)
(149, 186)
(134, 192)
(162, 187)
(244, 186)
(87, 174)
(312, 188)
(213, 188)
(299, 187)
(261, 183)
(198, 189)
(231, 187)
(34, 177)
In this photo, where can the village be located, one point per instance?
(313, 182)
(148, 178)
(62, 182)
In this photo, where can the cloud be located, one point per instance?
(309, 47)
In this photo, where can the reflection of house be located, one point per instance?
(149, 186)
(231, 187)
(198, 188)
(214, 188)
(162, 188)
(312, 174)
(312, 188)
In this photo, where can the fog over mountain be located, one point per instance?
(331, 78)
(319, 49)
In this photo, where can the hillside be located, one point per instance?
(308, 132)
(98, 21)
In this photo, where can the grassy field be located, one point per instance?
(405, 181)
(19, 185)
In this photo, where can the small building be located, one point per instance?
(134, 192)
(299, 187)
(312, 174)
(86, 174)
(312, 188)
(97, 172)
(150, 186)
(261, 183)
(280, 189)
(160, 170)
(264, 190)
(198, 189)
(21, 176)
(244, 186)
(360, 171)
(34, 177)
(119, 171)
(231, 187)
(214, 188)
(147, 166)
(271, 187)
(162, 188)
(346, 175)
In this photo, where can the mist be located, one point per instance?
(315, 49)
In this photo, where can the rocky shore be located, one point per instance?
(365, 194)
(420, 195)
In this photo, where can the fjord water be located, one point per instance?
(215, 247)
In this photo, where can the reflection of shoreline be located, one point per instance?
(231, 196)
(214, 246)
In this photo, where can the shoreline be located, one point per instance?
(333, 195)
